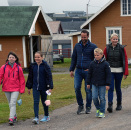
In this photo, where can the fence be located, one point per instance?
(65, 52)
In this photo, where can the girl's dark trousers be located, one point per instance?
(36, 95)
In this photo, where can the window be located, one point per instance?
(111, 30)
(126, 7)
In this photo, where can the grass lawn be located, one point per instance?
(63, 94)
(59, 64)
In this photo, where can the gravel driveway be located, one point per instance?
(66, 118)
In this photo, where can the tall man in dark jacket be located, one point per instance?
(83, 54)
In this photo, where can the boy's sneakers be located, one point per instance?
(97, 113)
(88, 110)
(35, 120)
(45, 119)
(80, 109)
(101, 115)
(11, 122)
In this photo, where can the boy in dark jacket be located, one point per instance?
(40, 80)
(99, 76)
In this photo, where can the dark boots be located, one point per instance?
(110, 107)
(119, 107)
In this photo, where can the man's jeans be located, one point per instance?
(98, 92)
(117, 77)
(79, 76)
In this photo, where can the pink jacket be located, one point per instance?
(13, 78)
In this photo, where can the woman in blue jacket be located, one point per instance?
(40, 80)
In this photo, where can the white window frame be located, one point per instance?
(122, 9)
(0, 47)
(113, 28)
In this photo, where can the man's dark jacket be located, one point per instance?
(82, 55)
(42, 79)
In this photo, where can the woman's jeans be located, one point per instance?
(12, 98)
(115, 80)
(98, 95)
(79, 76)
(36, 96)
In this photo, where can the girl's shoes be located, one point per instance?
(15, 119)
(11, 121)
(35, 120)
(45, 119)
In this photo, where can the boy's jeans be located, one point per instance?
(79, 76)
(117, 77)
(98, 92)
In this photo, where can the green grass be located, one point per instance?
(59, 64)
(63, 94)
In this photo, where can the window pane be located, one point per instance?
(124, 7)
(129, 6)
(117, 31)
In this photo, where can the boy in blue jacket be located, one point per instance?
(40, 80)
(99, 76)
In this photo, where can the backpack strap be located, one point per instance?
(5, 67)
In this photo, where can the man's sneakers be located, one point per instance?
(11, 121)
(97, 113)
(45, 119)
(80, 109)
(88, 110)
(101, 115)
(35, 120)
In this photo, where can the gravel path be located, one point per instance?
(66, 118)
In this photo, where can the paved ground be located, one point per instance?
(66, 118)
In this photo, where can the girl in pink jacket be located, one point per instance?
(13, 83)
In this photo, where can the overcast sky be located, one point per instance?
(58, 6)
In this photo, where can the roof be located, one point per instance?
(74, 25)
(84, 25)
(61, 37)
(55, 26)
(18, 20)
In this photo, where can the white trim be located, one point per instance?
(31, 50)
(24, 52)
(96, 14)
(90, 31)
(114, 28)
(0, 47)
(71, 45)
(78, 37)
(33, 24)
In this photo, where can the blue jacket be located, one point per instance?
(82, 55)
(40, 77)
(99, 74)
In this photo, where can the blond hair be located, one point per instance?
(98, 50)
(112, 35)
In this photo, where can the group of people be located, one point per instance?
(101, 71)
(13, 83)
